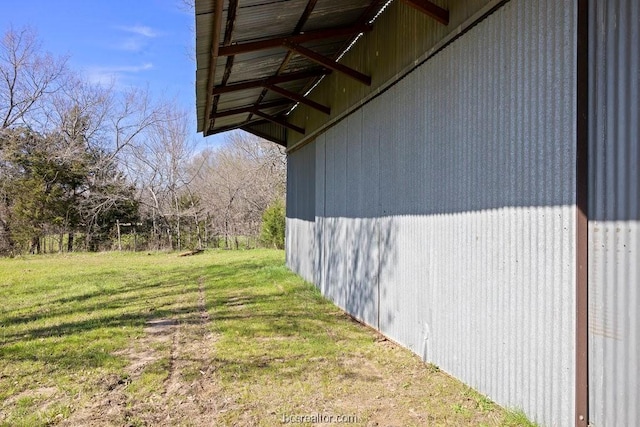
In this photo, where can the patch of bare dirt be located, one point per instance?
(382, 385)
(38, 393)
(391, 387)
(189, 393)
(42, 397)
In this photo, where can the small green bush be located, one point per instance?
(273, 223)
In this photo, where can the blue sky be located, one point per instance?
(133, 42)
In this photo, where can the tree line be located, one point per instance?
(88, 166)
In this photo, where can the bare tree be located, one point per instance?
(82, 111)
(237, 182)
(27, 76)
(158, 166)
(105, 124)
(107, 156)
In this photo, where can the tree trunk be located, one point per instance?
(198, 231)
(226, 234)
(90, 245)
(35, 245)
(8, 244)
(155, 230)
(206, 232)
(119, 239)
(178, 234)
(70, 242)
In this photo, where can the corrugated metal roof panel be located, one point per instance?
(238, 99)
(256, 65)
(268, 19)
(326, 14)
(204, 7)
(259, 20)
(231, 120)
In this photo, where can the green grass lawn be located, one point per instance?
(224, 338)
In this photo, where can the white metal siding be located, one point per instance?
(448, 213)
(300, 223)
(614, 228)
(318, 266)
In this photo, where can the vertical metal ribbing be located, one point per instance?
(614, 212)
(476, 208)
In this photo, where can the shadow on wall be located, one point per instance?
(300, 247)
(445, 207)
(353, 254)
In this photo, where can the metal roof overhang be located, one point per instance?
(257, 59)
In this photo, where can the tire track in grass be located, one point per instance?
(188, 394)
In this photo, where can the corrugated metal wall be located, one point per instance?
(347, 218)
(614, 229)
(383, 53)
(300, 225)
(445, 209)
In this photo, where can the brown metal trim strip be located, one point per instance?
(228, 37)
(582, 217)
(217, 21)
(232, 11)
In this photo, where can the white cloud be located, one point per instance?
(136, 39)
(100, 78)
(131, 45)
(130, 68)
(115, 74)
(140, 30)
